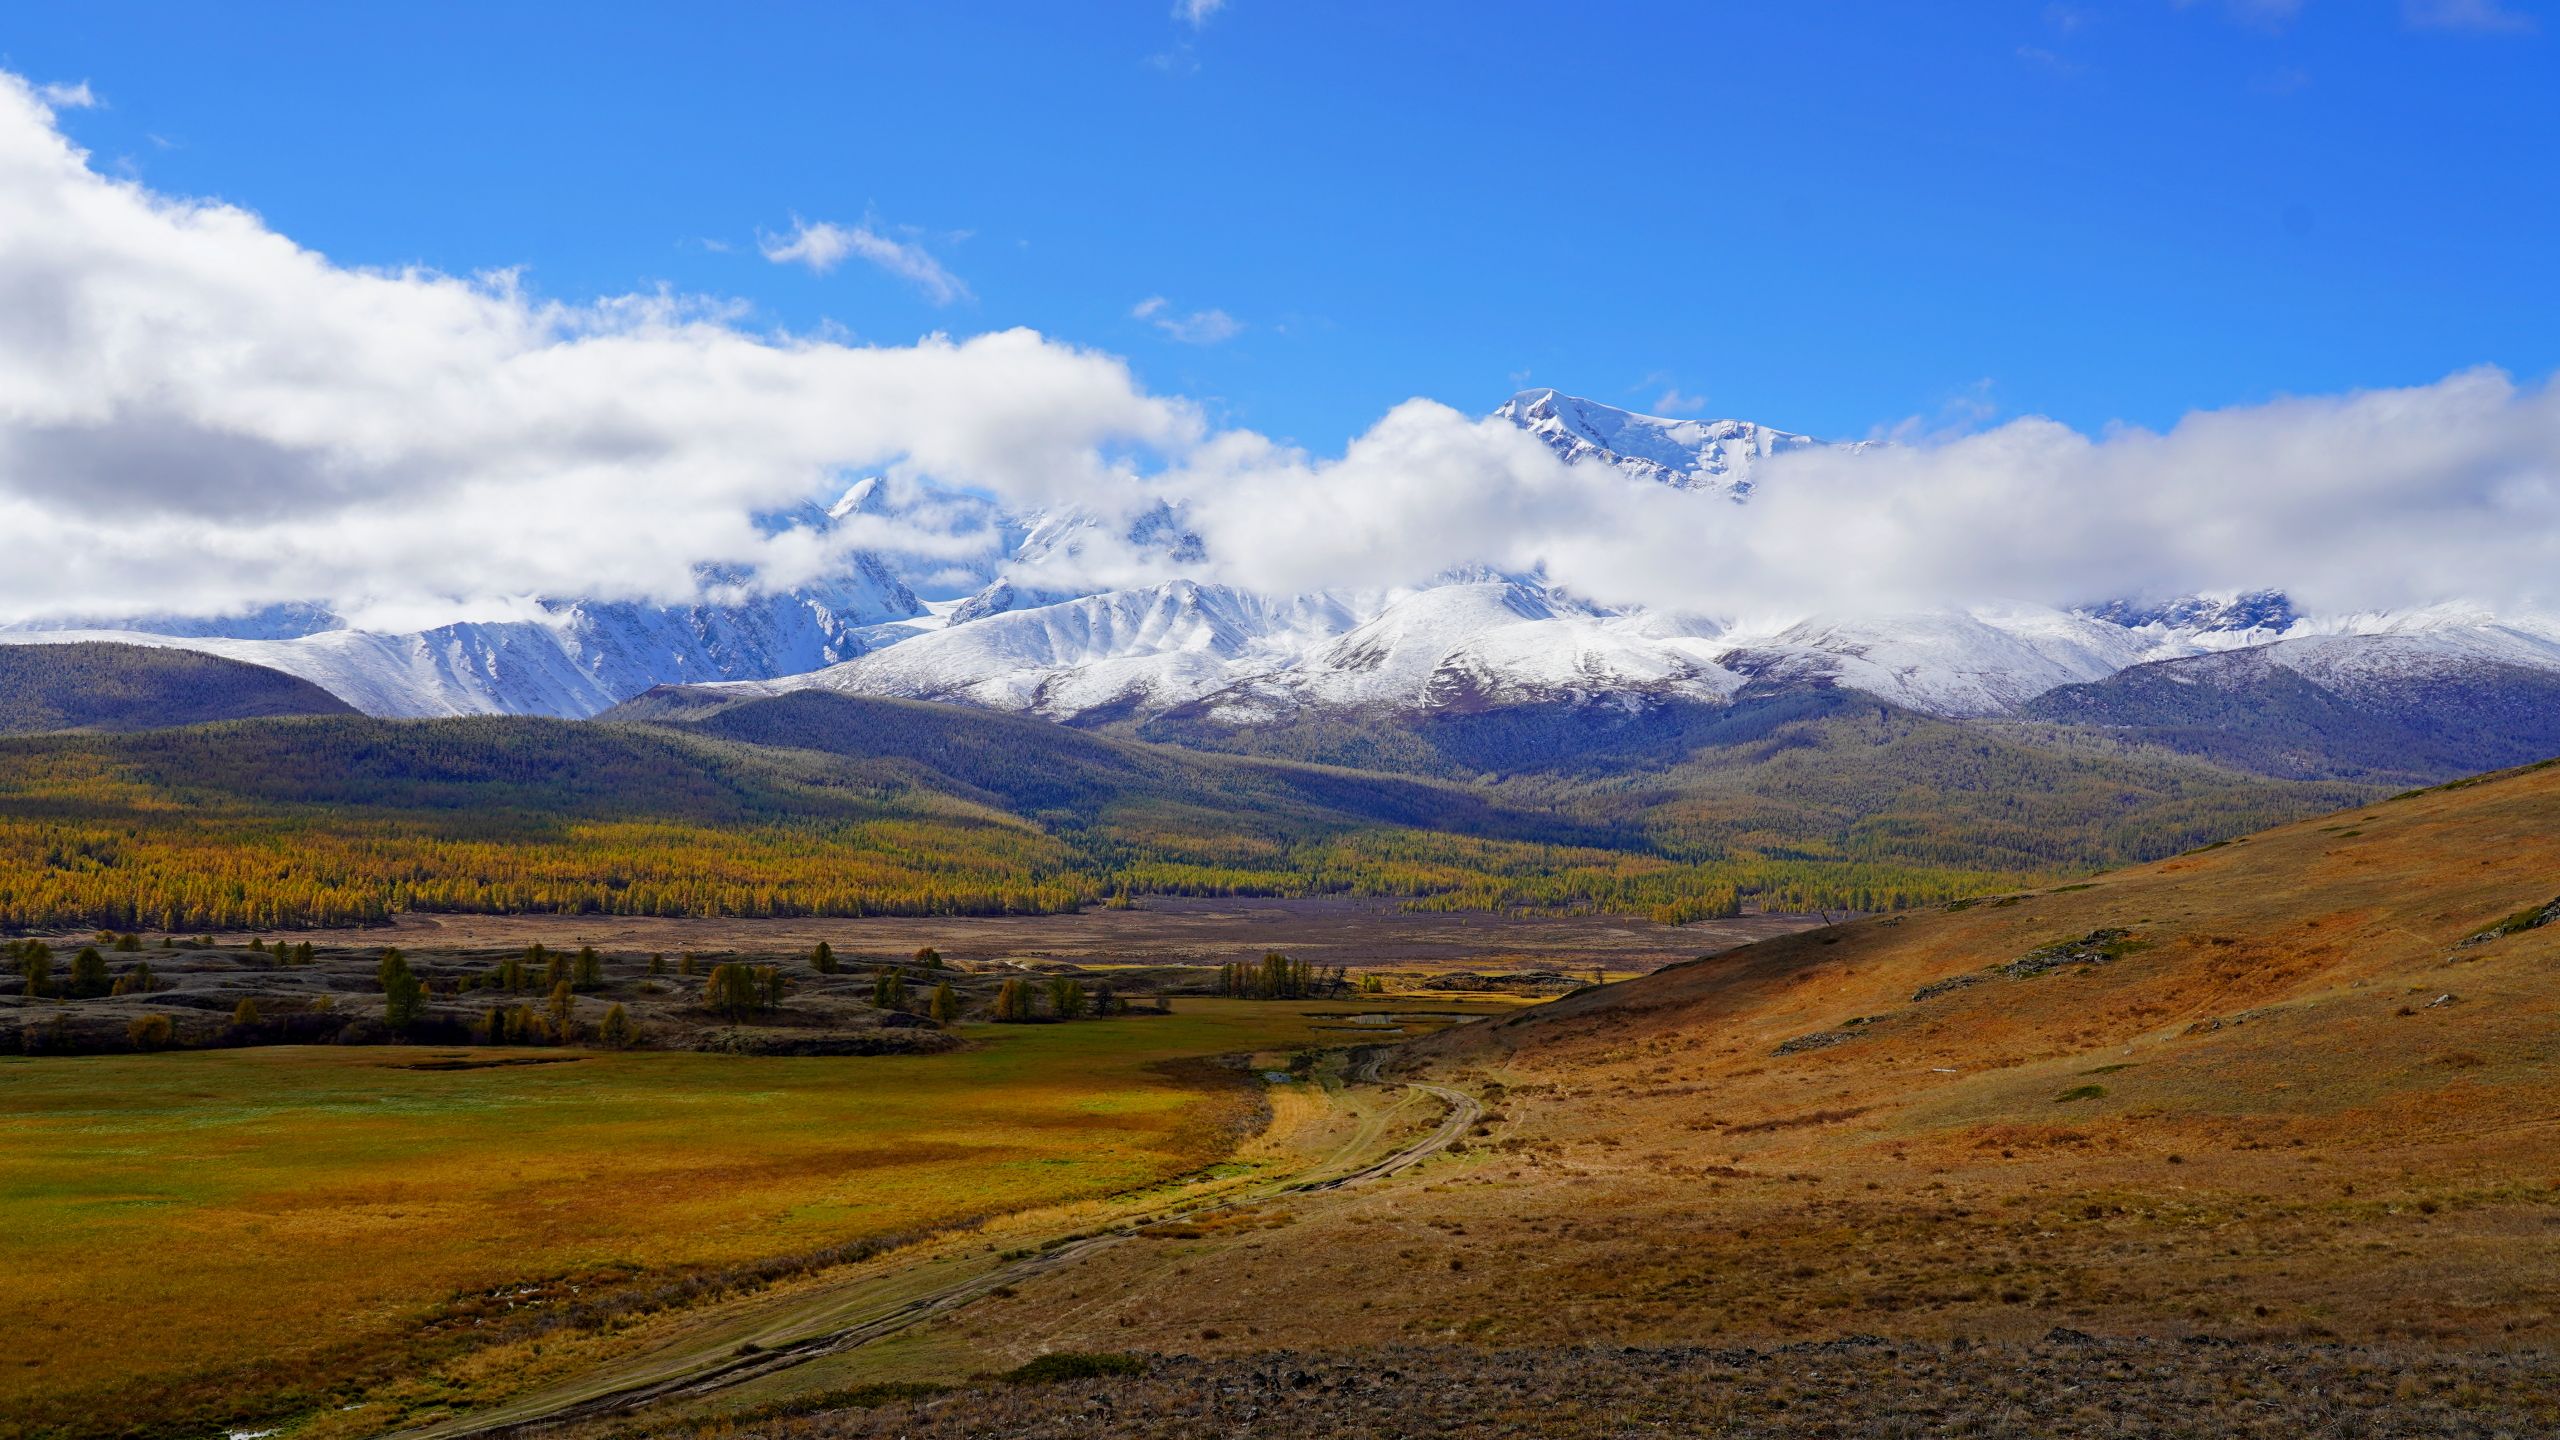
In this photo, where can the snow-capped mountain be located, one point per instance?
(1712, 455)
(2415, 698)
(1021, 627)
(569, 658)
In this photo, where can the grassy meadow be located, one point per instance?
(198, 1237)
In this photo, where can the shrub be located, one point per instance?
(1075, 1365)
(244, 1016)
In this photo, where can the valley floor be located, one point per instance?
(355, 1235)
(1361, 933)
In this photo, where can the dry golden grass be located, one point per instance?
(2249, 1118)
(195, 1237)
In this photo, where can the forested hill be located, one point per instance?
(97, 685)
(820, 804)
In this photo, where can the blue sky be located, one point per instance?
(1830, 217)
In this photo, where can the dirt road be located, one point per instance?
(690, 1376)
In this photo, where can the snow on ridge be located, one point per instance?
(1712, 455)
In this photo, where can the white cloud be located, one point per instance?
(73, 96)
(198, 415)
(1198, 327)
(1197, 12)
(824, 245)
(2486, 17)
(2378, 499)
(1673, 402)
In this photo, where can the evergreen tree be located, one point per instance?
(945, 1005)
(564, 1012)
(657, 962)
(770, 985)
(589, 974)
(244, 1016)
(1013, 1001)
(823, 959)
(1066, 997)
(128, 942)
(733, 990)
(616, 1030)
(89, 976)
(35, 963)
(404, 995)
(888, 989)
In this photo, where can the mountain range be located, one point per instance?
(1019, 633)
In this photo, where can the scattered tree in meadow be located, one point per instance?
(616, 1030)
(1372, 985)
(404, 995)
(1014, 1004)
(1106, 1001)
(657, 962)
(131, 942)
(945, 1005)
(564, 1012)
(888, 989)
(737, 990)
(150, 1032)
(35, 964)
(685, 964)
(89, 977)
(929, 958)
(823, 959)
(1066, 997)
(1277, 978)
(588, 973)
(244, 1016)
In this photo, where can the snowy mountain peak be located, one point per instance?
(2212, 612)
(1713, 455)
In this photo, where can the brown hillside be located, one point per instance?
(2287, 1102)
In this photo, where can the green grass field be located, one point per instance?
(198, 1237)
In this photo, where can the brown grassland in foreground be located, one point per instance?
(2286, 1107)
(202, 1238)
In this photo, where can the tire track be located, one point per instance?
(757, 1363)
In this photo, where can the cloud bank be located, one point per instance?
(199, 416)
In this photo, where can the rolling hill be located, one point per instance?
(2297, 1087)
(107, 686)
(717, 803)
